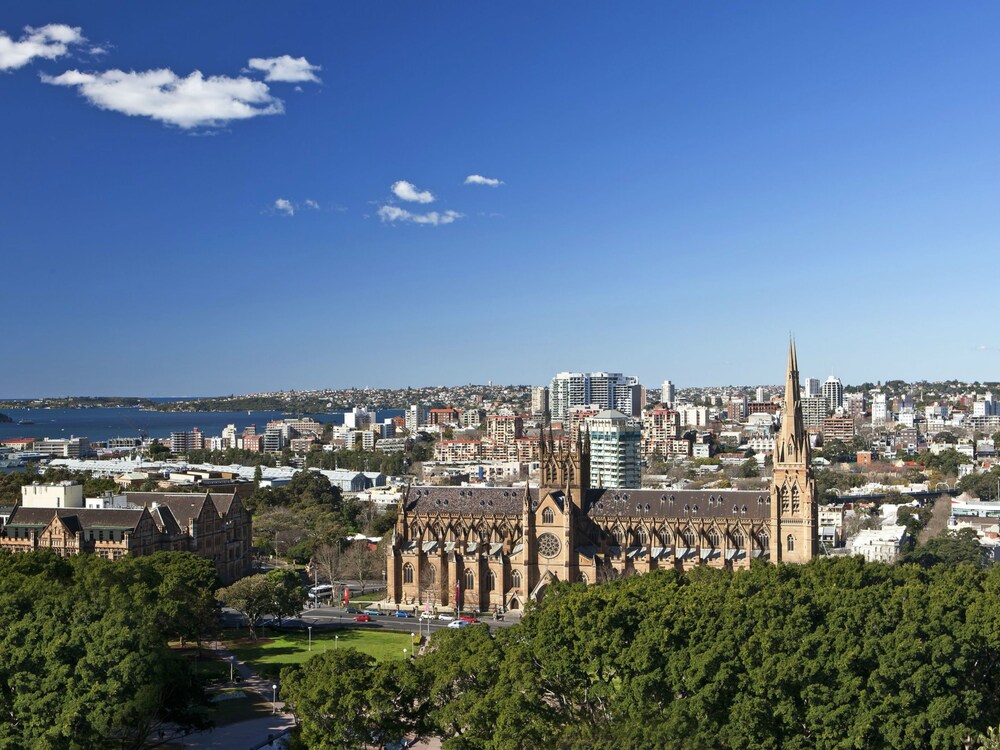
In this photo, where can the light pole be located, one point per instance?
(274, 699)
(310, 629)
(231, 660)
(336, 642)
(404, 654)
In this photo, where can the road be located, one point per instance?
(332, 618)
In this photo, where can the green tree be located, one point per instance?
(288, 595)
(252, 597)
(343, 699)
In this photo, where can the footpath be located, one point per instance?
(251, 734)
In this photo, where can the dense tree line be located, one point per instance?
(4, 418)
(84, 660)
(834, 654)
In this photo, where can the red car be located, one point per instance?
(363, 618)
(469, 619)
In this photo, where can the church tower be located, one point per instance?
(794, 513)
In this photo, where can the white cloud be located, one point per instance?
(478, 179)
(286, 69)
(310, 203)
(434, 218)
(191, 102)
(407, 191)
(284, 206)
(47, 42)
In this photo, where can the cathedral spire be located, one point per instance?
(792, 444)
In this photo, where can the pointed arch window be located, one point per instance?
(548, 516)
(738, 539)
(765, 540)
(713, 538)
(491, 581)
(790, 543)
(796, 500)
(470, 580)
(515, 579)
(407, 573)
(431, 574)
(688, 536)
(643, 537)
(583, 578)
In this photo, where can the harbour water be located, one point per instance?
(102, 424)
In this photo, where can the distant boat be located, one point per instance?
(24, 421)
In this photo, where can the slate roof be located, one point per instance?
(467, 500)
(474, 501)
(680, 503)
(185, 506)
(78, 519)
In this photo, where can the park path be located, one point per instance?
(252, 733)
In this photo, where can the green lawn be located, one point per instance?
(229, 709)
(267, 656)
(370, 596)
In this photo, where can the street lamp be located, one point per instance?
(404, 653)
(231, 660)
(336, 642)
(274, 699)
(309, 628)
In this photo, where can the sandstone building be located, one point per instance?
(482, 548)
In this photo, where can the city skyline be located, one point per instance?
(383, 182)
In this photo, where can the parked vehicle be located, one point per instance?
(471, 619)
(363, 618)
(446, 618)
(427, 616)
(371, 612)
(353, 611)
(401, 613)
(458, 624)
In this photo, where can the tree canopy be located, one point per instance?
(835, 654)
(84, 660)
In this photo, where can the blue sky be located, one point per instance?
(682, 185)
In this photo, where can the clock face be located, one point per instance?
(548, 545)
(534, 505)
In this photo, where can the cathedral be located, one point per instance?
(499, 547)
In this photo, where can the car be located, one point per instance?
(353, 611)
(427, 616)
(363, 618)
(471, 619)
(446, 618)
(371, 612)
(458, 624)
(401, 613)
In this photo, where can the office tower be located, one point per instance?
(833, 392)
(759, 394)
(615, 444)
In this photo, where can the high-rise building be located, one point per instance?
(814, 411)
(812, 387)
(759, 394)
(607, 390)
(416, 417)
(274, 440)
(182, 442)
(737, 409)
(668, 393)
(833, 392)
(615, 444)
(539, 401)
(880, 409)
